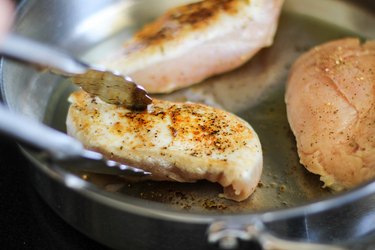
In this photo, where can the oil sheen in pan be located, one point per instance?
(255, 92)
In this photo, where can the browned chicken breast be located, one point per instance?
(182, 142)
(331, 109)
(190, 43)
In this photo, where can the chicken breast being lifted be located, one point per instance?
(331, 109)
(182, 142)
(190, 43)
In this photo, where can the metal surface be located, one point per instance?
(108, 86)
(228, 235)
(289, 203)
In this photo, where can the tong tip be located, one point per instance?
(114, 88)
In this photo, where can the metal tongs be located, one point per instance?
(62, 149)
(108, 86)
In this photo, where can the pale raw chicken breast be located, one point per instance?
(331, 109)
(182, 142)
(193, 42)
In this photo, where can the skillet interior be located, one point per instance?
(255, 93)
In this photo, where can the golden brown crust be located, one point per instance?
(204, 128)
(182, 20)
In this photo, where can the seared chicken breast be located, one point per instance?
(193, 42)
(182, 142)
(330, 101)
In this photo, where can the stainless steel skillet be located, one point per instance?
(289, 203)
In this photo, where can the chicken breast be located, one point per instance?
(190, 43)
(330, 102)
(182, 142)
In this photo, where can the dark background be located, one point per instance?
(26, 222)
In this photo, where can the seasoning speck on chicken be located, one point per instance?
(182, 142)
